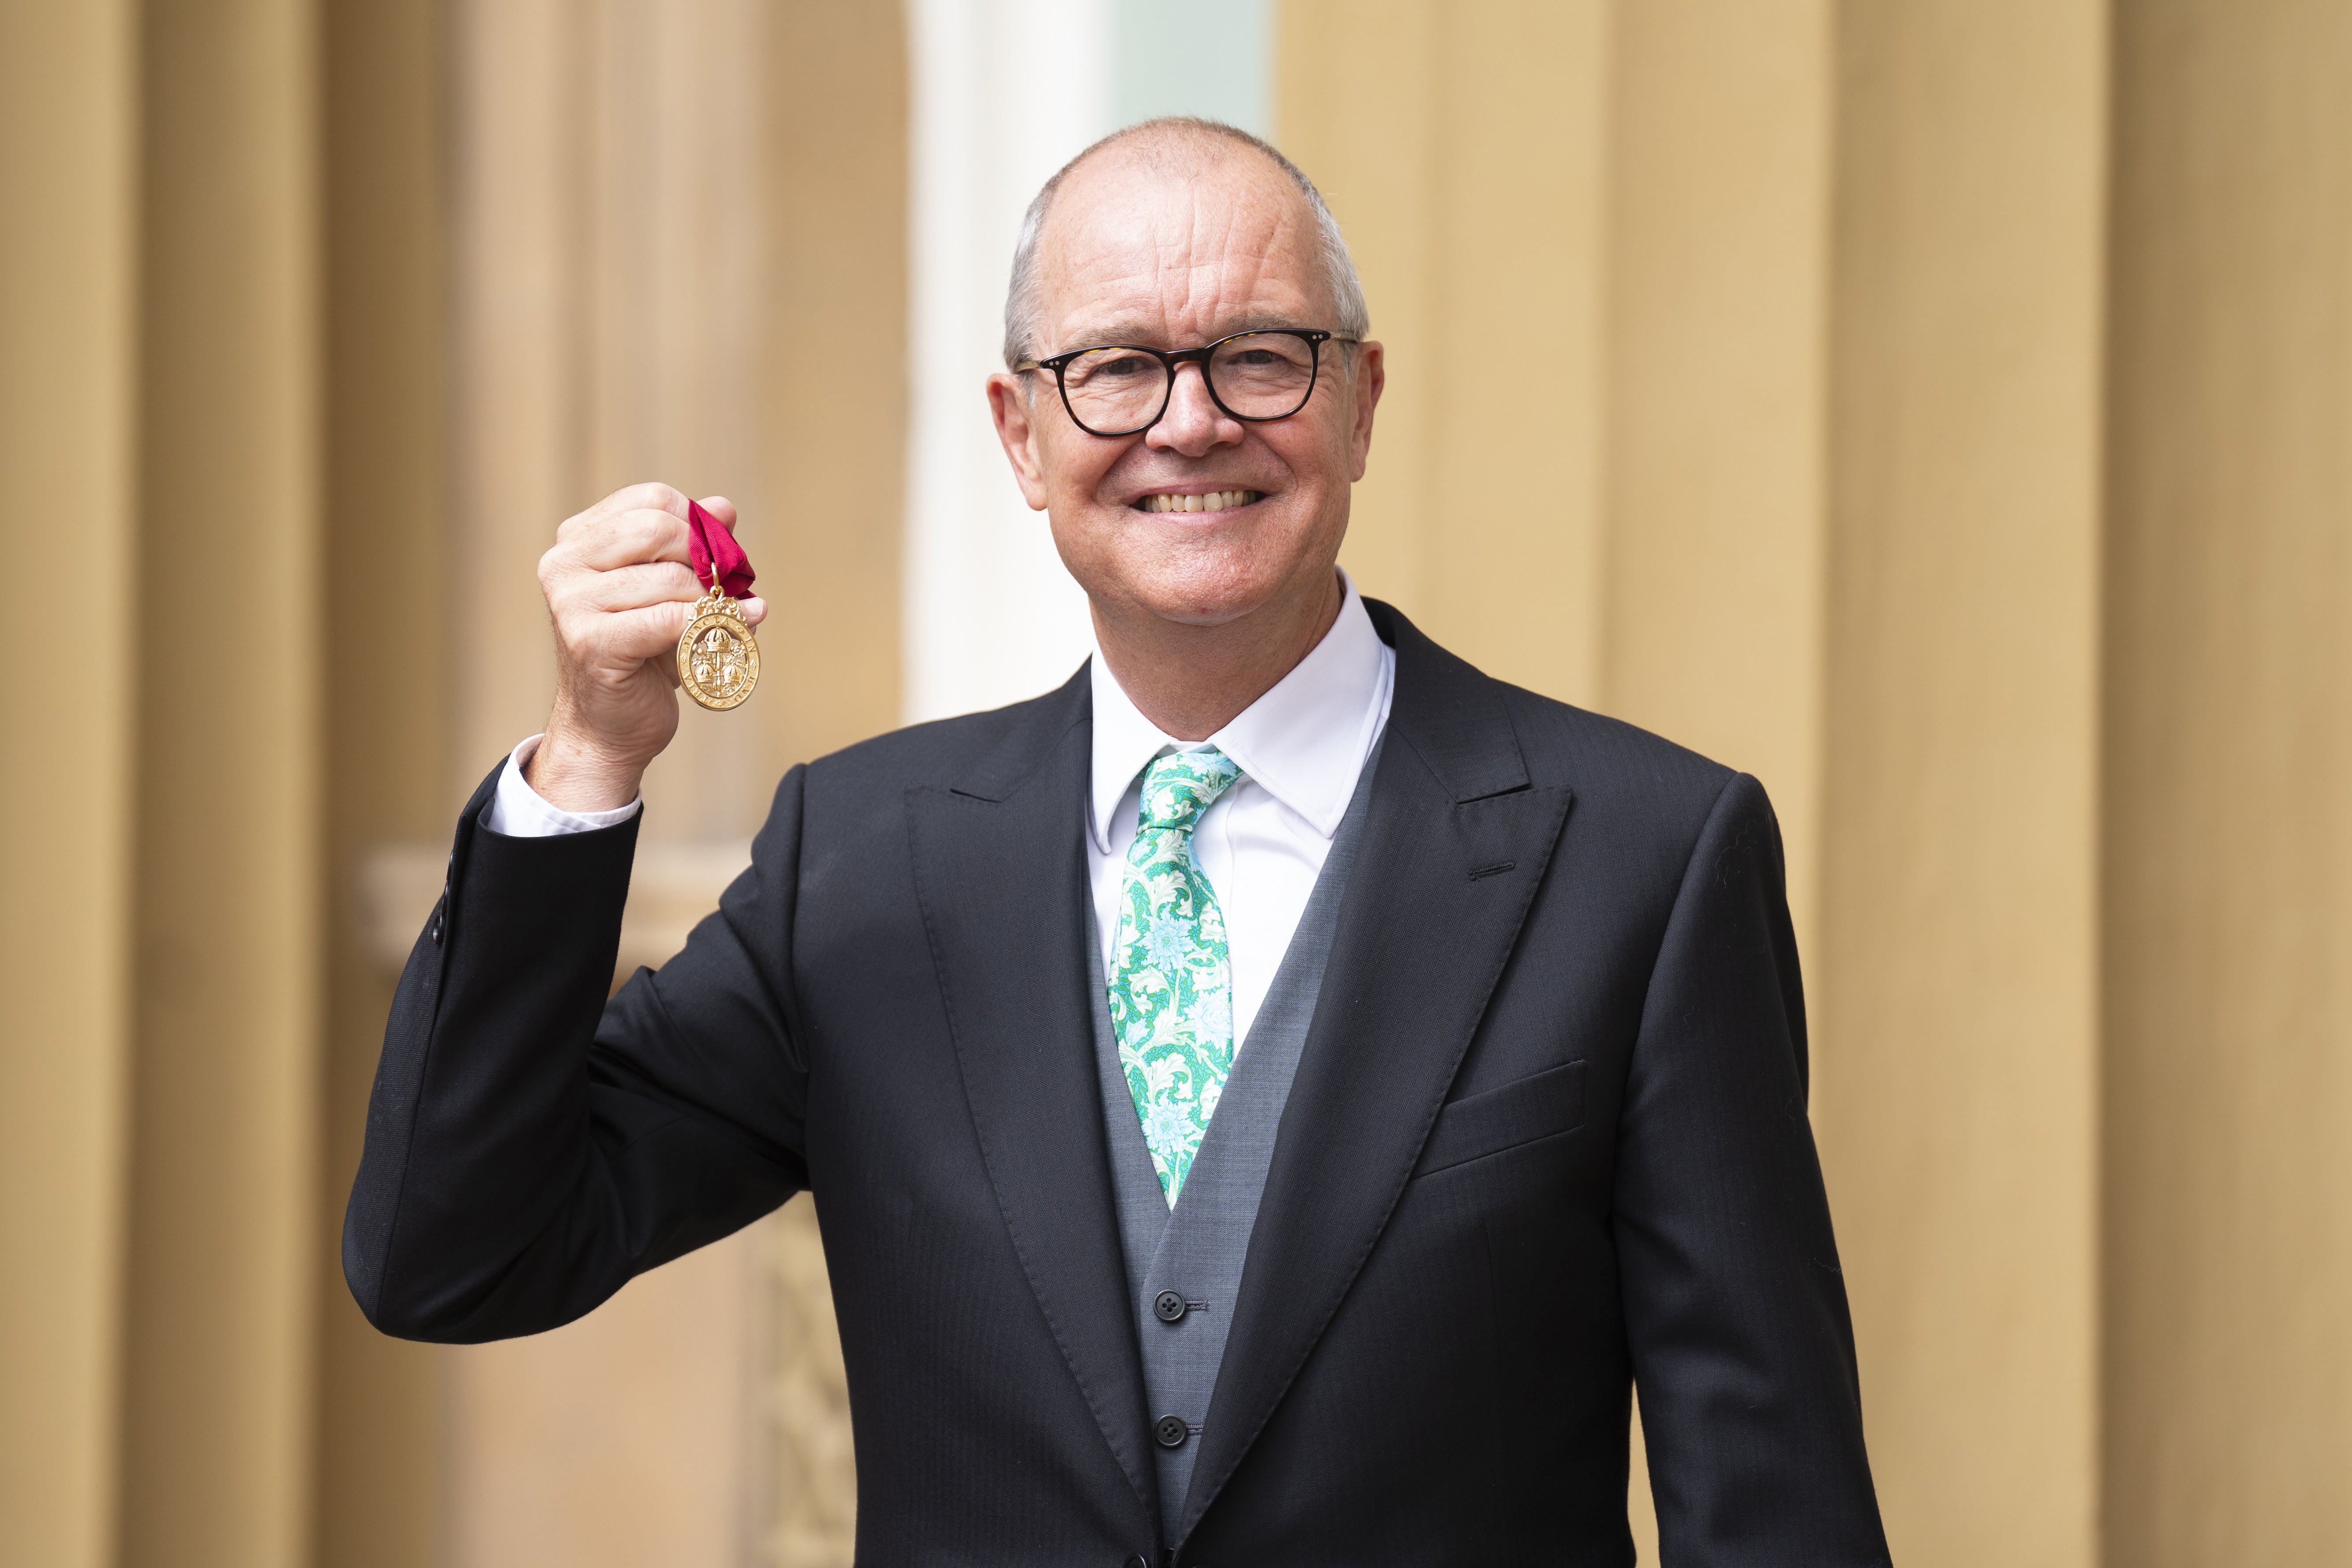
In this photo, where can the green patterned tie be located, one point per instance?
(1172, 991)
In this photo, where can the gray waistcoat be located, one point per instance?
(1194, 1254)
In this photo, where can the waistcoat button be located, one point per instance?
(1168, 1306)
(1134, 1561)
(1169, 1431)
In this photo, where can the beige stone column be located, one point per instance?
(832, 438)
(1715, 412)
(678, 249)
(1463, 148)
(69, 651)
(216, 1375)
(2229, 744)
(1956, 1007)
(607, 231)
(386, 722)
(518, 351)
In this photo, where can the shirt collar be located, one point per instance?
(1304, 740)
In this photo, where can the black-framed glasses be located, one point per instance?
(1119, 389)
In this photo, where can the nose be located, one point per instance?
(1193, 422)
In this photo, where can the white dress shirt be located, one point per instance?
(1301, 748)
(520, 811)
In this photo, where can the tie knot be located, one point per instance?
(1178, 789)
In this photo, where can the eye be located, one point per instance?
(1112, 367)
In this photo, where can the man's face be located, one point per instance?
(1176, 260)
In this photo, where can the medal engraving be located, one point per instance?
(718, 662)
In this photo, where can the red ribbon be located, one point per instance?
(712, 548)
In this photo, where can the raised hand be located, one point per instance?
(619, 590)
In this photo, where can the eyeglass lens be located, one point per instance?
(1260, 375)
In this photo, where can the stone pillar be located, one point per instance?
(608, 238)
(217, 1373)
(1954, 993)
(679, 255)
(2229, 741)
(70, 647)
(386, 721)
(1463, 148)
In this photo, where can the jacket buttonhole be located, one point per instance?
(1493, 870)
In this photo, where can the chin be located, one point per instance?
(1203, 598)
(1196, 612)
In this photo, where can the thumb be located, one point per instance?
(720, 508)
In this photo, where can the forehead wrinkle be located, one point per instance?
(1237, 243)
(1210, 256)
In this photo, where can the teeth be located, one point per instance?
(1216, 500)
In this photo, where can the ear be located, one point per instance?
(1008, 405)
(1368, 377)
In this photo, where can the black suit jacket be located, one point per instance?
(1547, 1137)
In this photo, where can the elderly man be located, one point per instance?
(1273, 1098)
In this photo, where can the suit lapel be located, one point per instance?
(1452, 851)
(1000, 866)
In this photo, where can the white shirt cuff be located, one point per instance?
(520, 811)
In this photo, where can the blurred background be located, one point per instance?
(1939, 408)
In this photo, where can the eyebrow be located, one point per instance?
(1127, 331)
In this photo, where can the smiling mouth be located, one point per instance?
(1216, 500)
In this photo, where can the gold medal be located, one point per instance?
(718, 662)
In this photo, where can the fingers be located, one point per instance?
(619, 640)
(635, 523)
(652, 497)
(649, 587)
(618, 583)
(600, 543)
(634, 586)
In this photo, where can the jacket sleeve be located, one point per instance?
(1735, 1305)
(531, 1147)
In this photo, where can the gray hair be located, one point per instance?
(1024, 308)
